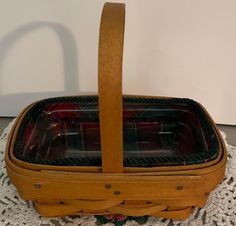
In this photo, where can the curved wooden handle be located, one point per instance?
(110, 86)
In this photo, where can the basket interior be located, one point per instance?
(65, 131)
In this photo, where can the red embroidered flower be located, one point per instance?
(115, 217)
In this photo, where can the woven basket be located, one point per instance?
(114, 154)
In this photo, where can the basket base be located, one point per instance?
(139, 209)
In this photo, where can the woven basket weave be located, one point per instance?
(114, 154)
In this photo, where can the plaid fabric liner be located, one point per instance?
(65, 131)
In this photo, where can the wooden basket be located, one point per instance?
(168, 186)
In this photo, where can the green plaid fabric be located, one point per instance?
(65, 131)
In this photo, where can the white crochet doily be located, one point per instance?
(219, 210)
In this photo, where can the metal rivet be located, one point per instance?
(37, 186)
(179, 187)
(116, 192)
(107, 186)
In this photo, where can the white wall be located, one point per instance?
(173, 48)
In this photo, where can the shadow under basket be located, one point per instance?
(114, 154)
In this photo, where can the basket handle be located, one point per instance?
(111, 39)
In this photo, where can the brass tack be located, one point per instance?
(37, 186)
(179, 187)
(107, 186)
(116, 192)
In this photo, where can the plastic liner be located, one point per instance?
(65, 131)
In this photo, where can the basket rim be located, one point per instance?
(29, 165)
